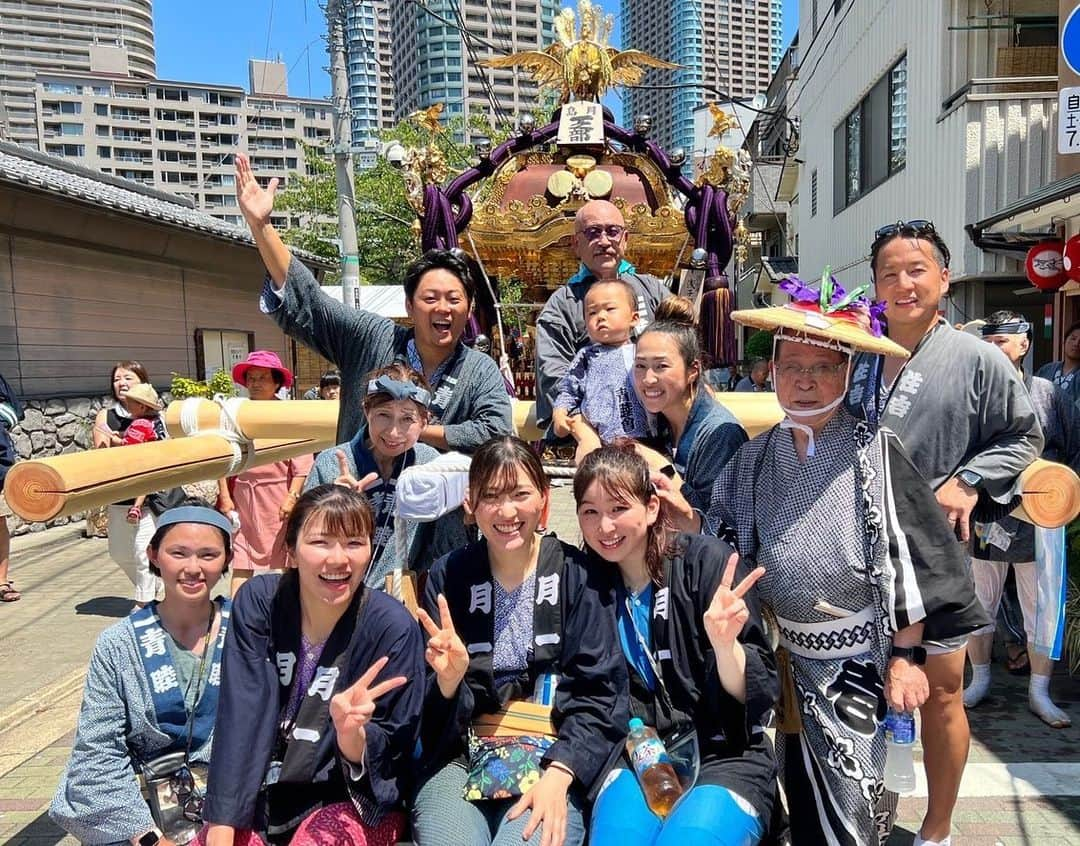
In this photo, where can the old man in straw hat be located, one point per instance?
(860, 562)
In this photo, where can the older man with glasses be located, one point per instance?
(968, 424)
(600, 237)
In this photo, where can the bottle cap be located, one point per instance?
(636, 723)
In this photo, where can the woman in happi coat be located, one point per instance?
(696, 434)
(860, 566)
(697, 661)
(321, 692)
(516, 624)
(395, 412)
(151, 688)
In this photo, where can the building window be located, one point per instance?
(870, 144)
(898, 116)
(101, 109)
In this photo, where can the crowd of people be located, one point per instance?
(814, 578)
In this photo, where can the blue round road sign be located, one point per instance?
(1070, 41)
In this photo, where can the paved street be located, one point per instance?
(1022, 786)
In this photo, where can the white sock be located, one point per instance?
(975, 692)
(947, 841)
(1040, 703)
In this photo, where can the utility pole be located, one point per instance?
(343, 169)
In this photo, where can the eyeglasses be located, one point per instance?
(815, 371)
(593, 233)
(915, 229)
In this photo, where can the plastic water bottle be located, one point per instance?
(653, 766)
(900, 740)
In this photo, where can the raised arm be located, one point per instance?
(256, 203)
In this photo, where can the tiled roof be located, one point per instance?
(28, 168)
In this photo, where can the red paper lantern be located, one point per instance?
(1048, 264)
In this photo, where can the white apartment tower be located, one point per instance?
(433, 63)
(731, 46)
(67, 36)
(371, 83)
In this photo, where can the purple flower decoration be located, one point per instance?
(831, 297)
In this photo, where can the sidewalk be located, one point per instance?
(1022, 785)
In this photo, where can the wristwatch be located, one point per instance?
(914, 654)
(970, 478)
(151, 838)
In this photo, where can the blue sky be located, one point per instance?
(212, 40)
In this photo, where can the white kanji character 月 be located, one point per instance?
(660, 606)
(286, 663)
(164, 678)
(152, 642)
(480, 598)
(323, 683)
(547, 590)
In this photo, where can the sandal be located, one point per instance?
(1016, 660)
(8, 592)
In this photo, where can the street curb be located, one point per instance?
(40, 701)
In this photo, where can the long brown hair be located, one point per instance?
(623, 474)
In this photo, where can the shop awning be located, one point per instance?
(383, 300)
(1020, 225)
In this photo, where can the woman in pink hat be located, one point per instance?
(262, 498)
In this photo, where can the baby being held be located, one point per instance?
(598, 387)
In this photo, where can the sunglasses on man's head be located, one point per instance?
(912, 229)
(594, 233)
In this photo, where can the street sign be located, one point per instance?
(1070, 41)
(1069, 120)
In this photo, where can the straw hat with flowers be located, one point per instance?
(847, 322)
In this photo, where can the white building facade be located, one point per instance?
(924, 109)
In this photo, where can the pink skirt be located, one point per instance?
(334, 824)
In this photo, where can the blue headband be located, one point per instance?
(399, 390)
(1013, 327)
(196, 514)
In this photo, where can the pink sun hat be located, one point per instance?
(262, 358)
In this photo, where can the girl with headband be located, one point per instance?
(395, 410)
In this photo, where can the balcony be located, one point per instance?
(1006, 131)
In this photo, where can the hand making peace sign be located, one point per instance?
(352, 709)
(446, 653)
(345, 477)
(727, 613)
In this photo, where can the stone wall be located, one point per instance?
(52, 427)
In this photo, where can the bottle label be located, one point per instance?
(900, 728)
(648, 753)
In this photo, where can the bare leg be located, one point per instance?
(946, 739)
(5, 557)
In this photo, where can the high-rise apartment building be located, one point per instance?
(180, 137)
(732, 46)
(68, 36)
(371, 84)
(432, 63)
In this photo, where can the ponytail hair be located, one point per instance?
(624, 475)
(674, 316)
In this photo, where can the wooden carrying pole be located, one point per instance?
(1051, 494)
(68, 484)
(315, 419)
